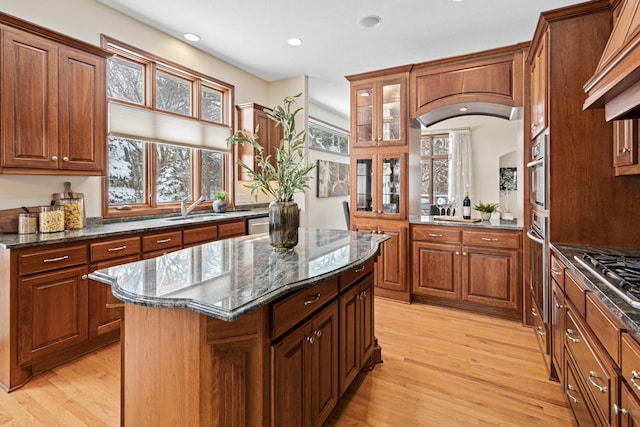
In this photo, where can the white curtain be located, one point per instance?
(460, 170)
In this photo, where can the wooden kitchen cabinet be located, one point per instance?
(251, 117)
(305, 372)
(558, 327)
(476, 269)
(625, 147)
(379, 110)
(539, 78)
(53, 104)
(380, 186)
(356, 330)
(629, 408)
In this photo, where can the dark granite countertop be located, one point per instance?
(14, 241)
(494, 224)
(627, 314)
(228, 278)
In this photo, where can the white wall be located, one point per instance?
(491, 138)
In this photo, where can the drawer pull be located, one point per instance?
(555, 272)
(312, 299)
(593, 375)
(570, 388)
(540, 332)
(435, 235)
(619, 410)
(634, 376)
(163, 240)
(489, 239)
(310, 339)
(119, 248)
(534, 313)
(61, 258)
(559, 306)
(84, 277)
(360, 269)
(116, 305)
(318, 333)
(572, 339)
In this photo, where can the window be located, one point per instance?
(152, 164)
(434, 168)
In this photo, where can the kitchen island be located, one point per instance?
(233, 333)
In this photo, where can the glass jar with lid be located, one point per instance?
(27, 222)
(73, 213)
(51, 219)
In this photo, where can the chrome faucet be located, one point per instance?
(184, 210)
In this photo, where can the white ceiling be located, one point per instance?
(253, 34)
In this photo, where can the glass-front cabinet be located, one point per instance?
(379, 112)
(379, 185)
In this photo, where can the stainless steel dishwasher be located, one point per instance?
(258, 225)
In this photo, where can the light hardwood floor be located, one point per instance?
(442, 367)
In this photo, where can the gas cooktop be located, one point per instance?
(620, 273)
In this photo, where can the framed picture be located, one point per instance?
(333, 179)
(325, 137)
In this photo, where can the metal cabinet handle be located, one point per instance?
(84, 277)
(435, 235)
(310, 339)
(54, 158)
(572, 339)
(116, 305)
(619, 410)
(464, 254)
(318, 333)
(119, 248)
(62, 258)
(559, 306)
(489, 239)
(555, 272)
(65, 159)
(163, 240)
(534, 312)
(569, 389)
(592, 375)
(457, 253)
(634, 376)
(358, 270)
(311, 300)
(540, 332)
(626, 150)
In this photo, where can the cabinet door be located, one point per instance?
(391, 189)
(491, 277)
(392, 112)
(436, 270)
(363, 131)
(392, 269)
(324, 364)
(539, 88)
(629, 410)
(364, 178)
(625, 142)
(366, 329)
(557, 328)
(82, 108)
(349, 336)
(29, 101)
(291, 361)
(52, 312)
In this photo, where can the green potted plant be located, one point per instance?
(486, 209)
(291, 173)
(220, 201)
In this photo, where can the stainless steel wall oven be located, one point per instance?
(538, 169)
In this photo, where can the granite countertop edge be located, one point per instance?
(202, 307)
(494, 224)
(123, 228)
(625, 313)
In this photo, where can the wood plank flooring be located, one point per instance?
(442, 367)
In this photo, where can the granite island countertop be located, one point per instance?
(120, 228)
(628, 315)
(493, 224)
(228, 278)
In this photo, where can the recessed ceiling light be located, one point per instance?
(192, 37)
(370, 21)
(294, 41)
(463, 109)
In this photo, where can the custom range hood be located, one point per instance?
(616, 82)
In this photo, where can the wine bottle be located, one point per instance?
(466, 207)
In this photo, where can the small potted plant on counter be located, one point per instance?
(486, 209)
(220, 202)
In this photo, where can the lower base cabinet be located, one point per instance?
(629, 410)
(576, 397)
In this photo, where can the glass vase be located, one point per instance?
(284, 220)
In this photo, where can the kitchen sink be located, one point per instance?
(198, 217)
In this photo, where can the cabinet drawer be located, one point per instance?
(112, 249)
(591, 366)
(436, 234)
(293, 309)
(352, 276)
(575, 292)
(200, 234)
(576, 397)
(231, 229)
(603, 327)
(630, 362)
(539, 328)
(159, 241)
(557, 271)
(52, 259)
(492, 239)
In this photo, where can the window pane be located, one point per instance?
(212, 170)
(425, 146)
(173, 173)
(125, 80)
(173, 94)
(441, 146)
(211, 103)
(126, 171)
(440, 178)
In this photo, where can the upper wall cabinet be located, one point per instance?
(489, 83)
(379, 108)
(52, 102)
(538, 98)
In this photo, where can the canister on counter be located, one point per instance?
(73, 213)
(51, 219)
(27, 223)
